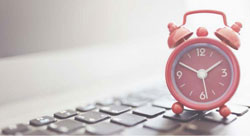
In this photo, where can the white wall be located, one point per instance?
(37, 25)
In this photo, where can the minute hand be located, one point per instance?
(215, 65)
(188, 67)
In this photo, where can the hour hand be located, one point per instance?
(215, 65)
(188, 67)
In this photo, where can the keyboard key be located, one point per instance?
(105, 102)
(145, 95)
(115, 109)
(238, 110)
(11, 130)
(162, 124)
(65, 114)
(85, 108)
(91, 117)
(65, 126)
(216, 117)
(203, 127)
(140, 131)
(128, 119)
(39, 132)
(242, 99)
(80, 131)
(163, 103)
(104, 128)
(42, 121)
(148, 111)
(185, 116)
(134, 102)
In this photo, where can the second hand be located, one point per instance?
(205, 88)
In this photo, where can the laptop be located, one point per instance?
(104, 87)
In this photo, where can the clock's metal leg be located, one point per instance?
(177, 108)
(224, 111)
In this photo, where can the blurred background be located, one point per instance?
(39, 25)
(49, 46)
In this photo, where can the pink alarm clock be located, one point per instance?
(202, 73)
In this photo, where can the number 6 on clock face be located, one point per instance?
(202, 96)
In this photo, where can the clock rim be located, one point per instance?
(217, 103)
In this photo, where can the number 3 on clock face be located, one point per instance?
(202, 74)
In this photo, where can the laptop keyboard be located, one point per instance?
(142, 112)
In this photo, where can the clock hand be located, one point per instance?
(205, 88)
(188, 67)
(215, 65)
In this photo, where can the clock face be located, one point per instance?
(202, 73)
